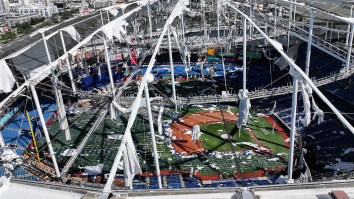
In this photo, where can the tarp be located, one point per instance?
(7, 79)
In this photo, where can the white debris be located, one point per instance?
(225, 136)
(115, 137)
(273, 159)
(69, 152)
(348, 150)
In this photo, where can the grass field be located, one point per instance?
(262, 129)
(101, 150)
(212, 141)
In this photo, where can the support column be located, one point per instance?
(58, 97)
(73, 86)
(150, 25)
(108, 16)
(327, 27)
(2, 142)
(110, 77)
(251, 17)
(289, 21)
(309, 43)
(183, 36)
(244, 53)
(295, 11)
(218, 17)
(266, 31)
(275, 16)
(101, 17)
(251, 9)
(152, 133)
(330, 35)
(349, 48)
(348, 34)
(202, 6)
(45, 130)
(171, 68)
(292, 130)
(223, 68)
(125, 27)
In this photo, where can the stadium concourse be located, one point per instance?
(194, 99)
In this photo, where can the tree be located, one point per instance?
(55, 20)
(8, 36)
(23, 28)
(36, 20)
(67, 14)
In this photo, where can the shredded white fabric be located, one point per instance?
(173, 30)
(7, 79)
(201, 65)
(8, 155)
(115, 29)
(159, 122)
(69, 152)
(292, 53)
(115, 137)
(185, 53)
(244, 107)
(274, 106)
(72, 32)
(306, 94)
(93, 170)
(114, 12)
(306, 176)
(318, 112)
(131, 162)
(196, 133)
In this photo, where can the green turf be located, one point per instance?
(212, 141)
(262, 129)
(101, 150)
